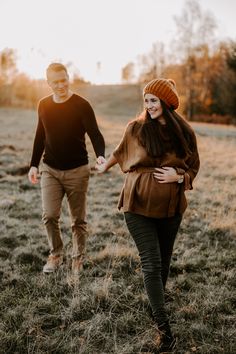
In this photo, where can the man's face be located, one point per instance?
(59, 83)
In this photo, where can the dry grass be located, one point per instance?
(106, 311)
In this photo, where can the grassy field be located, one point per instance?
(105, 311)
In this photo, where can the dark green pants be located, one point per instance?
(154, 239)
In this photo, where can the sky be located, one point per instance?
(98, 37)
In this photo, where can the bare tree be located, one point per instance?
(152, 65)
(7, 65)
(195, 30)
(8, 72)
(127, 72)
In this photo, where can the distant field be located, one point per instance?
(106, 310)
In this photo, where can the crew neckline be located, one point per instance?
(63, 101)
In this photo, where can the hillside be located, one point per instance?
(114, 100)
(105, 310)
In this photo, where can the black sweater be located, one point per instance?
(61, 133)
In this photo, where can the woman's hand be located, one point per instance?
(102, 167)
(101, 164)
(166, 175)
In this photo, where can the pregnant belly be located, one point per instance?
(147, 194)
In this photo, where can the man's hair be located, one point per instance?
(56, 67)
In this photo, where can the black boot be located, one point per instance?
(167, 340)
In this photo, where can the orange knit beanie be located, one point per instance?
(165, 90)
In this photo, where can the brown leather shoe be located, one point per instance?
(53, 263)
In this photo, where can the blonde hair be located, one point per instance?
(56, 67)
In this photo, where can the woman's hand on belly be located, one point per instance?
(166, 175)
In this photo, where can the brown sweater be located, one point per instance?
(141, 193)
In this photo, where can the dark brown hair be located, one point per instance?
(180, 137)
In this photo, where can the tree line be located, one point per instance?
(203, 68)
(19, 90)
(205, 80)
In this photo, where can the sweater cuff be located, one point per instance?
(187, 182)
(187, 179)
(180, 171)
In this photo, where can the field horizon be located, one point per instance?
(105, 310)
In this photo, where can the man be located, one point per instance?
(63, 120)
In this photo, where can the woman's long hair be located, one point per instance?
(150, 134)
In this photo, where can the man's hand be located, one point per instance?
(33, 175)
(100, 160)
(166, 175)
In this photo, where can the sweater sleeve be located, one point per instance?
(124, 151)
(38, 146)
(91, 128)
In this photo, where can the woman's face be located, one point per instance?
(153, 105)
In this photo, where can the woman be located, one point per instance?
(158, 153)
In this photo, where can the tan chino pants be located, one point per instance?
(55, 184)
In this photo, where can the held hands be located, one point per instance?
(101, 164)
(166, 175)
(33, 175)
